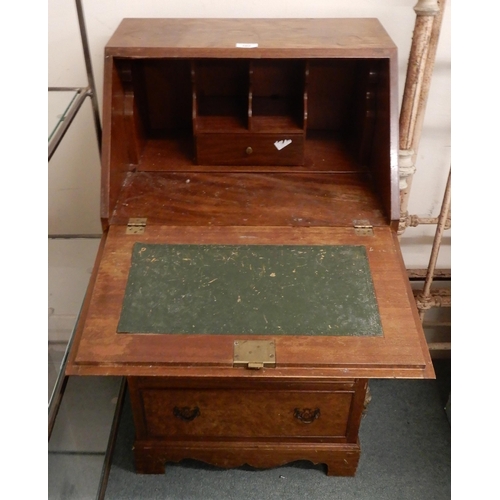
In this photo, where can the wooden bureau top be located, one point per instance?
(250, 38)
(163, 82)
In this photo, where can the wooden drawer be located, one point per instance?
(204, 413)
(250, 149)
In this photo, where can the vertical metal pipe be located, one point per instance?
(443, 216)
(427, 75)
(414, 77)
(90, 74)
(420, 66)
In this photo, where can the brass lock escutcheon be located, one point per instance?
(254, 354)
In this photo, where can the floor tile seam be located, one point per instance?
(74, 453)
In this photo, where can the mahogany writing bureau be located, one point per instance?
(249, 281)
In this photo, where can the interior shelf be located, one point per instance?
(323, 152)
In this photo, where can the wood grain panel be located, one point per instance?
(248, 199)
(275, 38)
(341, 459)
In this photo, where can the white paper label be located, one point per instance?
(247, 45)
(282, 144)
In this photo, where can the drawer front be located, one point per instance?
(178, 413)
(250, 149)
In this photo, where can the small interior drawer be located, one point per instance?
(180, 413)
(250, 149)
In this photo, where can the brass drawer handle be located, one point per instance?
(249, 150)
(306, 415)
(186, 413)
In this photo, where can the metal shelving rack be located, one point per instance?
(55, 138)
(81, 94)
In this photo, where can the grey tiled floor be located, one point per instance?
(80, 435)
(85, 415)
(74, 476)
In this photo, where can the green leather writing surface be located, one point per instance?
(250, 289)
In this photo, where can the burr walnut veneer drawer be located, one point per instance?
(241, 414)
(264, 411)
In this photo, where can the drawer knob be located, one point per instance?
(249, 150)
(186, 413)
(306, 415)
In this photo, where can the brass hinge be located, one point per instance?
(136, 225)
(254, 354)
(363, 228)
